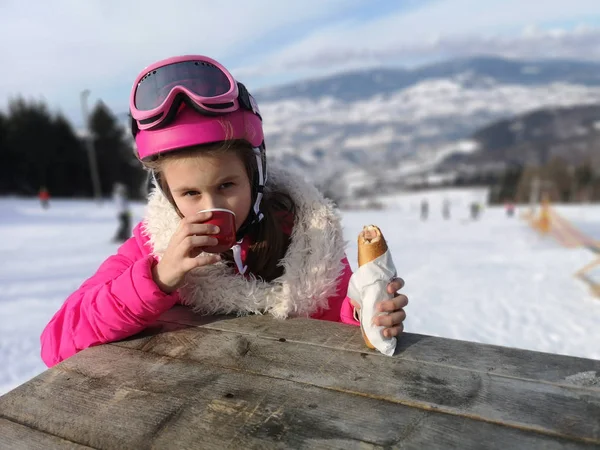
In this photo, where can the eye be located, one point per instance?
(226, 185)
(190, 193)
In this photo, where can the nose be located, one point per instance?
(211, 202)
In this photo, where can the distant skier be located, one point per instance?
(475, 210)
(446, 209)
(123, 214)
(44, 197)
(510, 209)
(424, 209)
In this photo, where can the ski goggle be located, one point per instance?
(198, 81)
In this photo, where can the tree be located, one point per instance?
(70, 174)
(40, 149)
(508, 184)
(5, 155)
(526, 182)
(584, 174)
(114, 153)
(557, 172)
(29, 140)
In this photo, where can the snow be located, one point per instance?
(430, 99)
(492, 281)
(417, 125)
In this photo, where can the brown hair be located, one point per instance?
(269, 242)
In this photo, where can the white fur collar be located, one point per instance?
(312, 263)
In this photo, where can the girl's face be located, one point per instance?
(207, 181)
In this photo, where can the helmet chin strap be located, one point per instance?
(255, 214)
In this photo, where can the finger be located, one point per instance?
(390, 320)
(190, 229)
(200, 217)
(400, 301)
(194, 242)
(204, 259)
(395, 285)
(387, 320)
(394, 331)
(394, 304)
(203, 228)
(354, 304)
(193, 219)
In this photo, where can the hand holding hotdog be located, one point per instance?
(395, 307)
(374, 286)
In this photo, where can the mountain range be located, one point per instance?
(569, 133)
(377, 127)
(363, 84)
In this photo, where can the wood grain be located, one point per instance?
(568, 411)
(15, 436)
(113, 397)
(506, 361)
(256, 382)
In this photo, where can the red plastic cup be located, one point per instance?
(225, 220)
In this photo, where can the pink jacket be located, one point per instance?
(121, 299)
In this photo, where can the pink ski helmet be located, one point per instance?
(193, 100)
(190, 100)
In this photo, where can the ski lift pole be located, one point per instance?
(534, 195)
(89, 145)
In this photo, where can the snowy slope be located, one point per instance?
(411, 128)
(491, 281)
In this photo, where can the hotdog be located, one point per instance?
(371, 245)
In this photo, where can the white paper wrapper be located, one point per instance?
(368, 287)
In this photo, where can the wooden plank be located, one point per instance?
(222, 408)
(571, 412)
(89, 410)
(511, 362)
(15, 436)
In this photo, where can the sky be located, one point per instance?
(57, 49)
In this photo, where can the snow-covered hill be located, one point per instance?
(413, 128)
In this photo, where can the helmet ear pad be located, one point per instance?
(133, 125)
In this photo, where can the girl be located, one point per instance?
(200, 134)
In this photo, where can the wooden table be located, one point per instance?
(256, 382)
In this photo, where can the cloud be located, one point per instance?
(441, 30)
(56, 49)
(557, 43)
